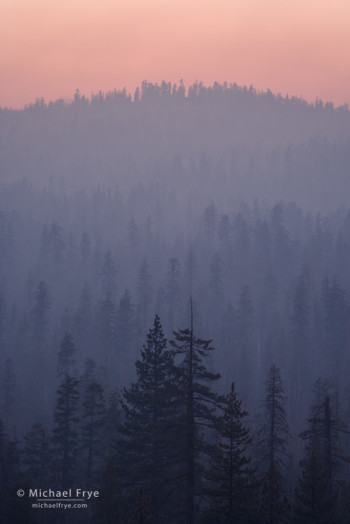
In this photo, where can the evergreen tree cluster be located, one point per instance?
(118, 208)
(171, 448)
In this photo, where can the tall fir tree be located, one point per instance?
(111, 506)
(83, 319)
(40, 317)
(173, 289)
(109, 272)
(92, 433)
(147, 446)
(65, 431)
(198, 404)
(38, 357)
(66, 361)
(125, 334)
(107, 312)
(145, 294)
(89, 374)
(335, 329)
(274, 436)
(327, 424)
(13, 510)
(314, 500)
(300, 358)
(36, 456)
(9, 391)
(56, 242)
(112, 422)
(231, 485)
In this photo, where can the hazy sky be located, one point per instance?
(50, 48)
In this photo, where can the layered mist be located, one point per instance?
(118, 208)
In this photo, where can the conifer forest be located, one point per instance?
(175, 307)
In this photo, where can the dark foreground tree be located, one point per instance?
(92, 434)
(13, 509)
(198, 404)
(274, 437)
(323, 482)
(65, 434)
(110, 507)
(66, 353)
(9, 391)
(314, 500)
(327, 424)
(148, 445)
(231, 478)
(112, 422)
(36, 456)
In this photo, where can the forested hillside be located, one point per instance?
(174, 306)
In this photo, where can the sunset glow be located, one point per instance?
(49, 49)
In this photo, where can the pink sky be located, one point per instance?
(50, 48)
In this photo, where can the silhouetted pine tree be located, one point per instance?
(106, 328)
(173, 289)
(56, 242)
(93, 419)
(110, 507)
(107, 311)
(112, 422)
(300, 358)
(326, 423)
(109, 274)
(89, 374)
(9, 391)
(66, 362)
(335, 329)
(65, 433)
(147, 448)
(83, 319)
(12, 461)
(231, 484)
(40, 317)
(216, 287)
(274, 437)
(85, 249)
(125, 333)
(38, 356)
(245, 361)
(12, 509)
(198, 405)
(314, 500)
(37, 456)
(145, 294)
